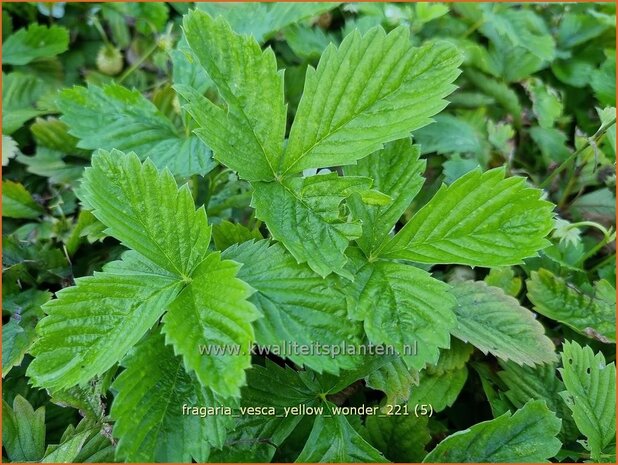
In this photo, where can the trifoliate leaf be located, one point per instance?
(151, 423)
(529, 435)
(144, 209)
(240, 136)
(495, 322)
(17, 202)
(373, 89)
(212, 313)
(396, 172)
(114, 117)
(591, 395)
(333, 439)
(401, 438)
(593, 315)
(394, 379)
(403, 307)
(267, 18)
(23, 431)
(298, 306)
(35, 42)
(93, 324)
(482, 219)
(304, 214)
(440, 384)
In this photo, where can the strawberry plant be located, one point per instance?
(309, 241)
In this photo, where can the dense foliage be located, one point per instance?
(189, 190)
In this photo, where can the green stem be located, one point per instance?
(595, 138)
(138, 63)
(606, 240)
(592, 224)
(97, 25)
(473, 28)
(567, 189)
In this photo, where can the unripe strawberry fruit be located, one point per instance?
(109, 60)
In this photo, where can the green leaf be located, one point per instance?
(576, 29)
(98, 448)
(151, 422)
(292, 388)
(10, 149)
(304, 215)
(17, 202)
(298, 305)
(267, 18)
(93, 324)
(527, 436)
(23, 431)
(20, 92)
(440, 384)
(504, 277)
(401, 438)
(333, 439)
(394, 379)
(18, 332)
(69, 448)
(500, 91)
(308, 42)
(373, 89)
(35, 42)
(143, 208)
(482, 219)
(522, 28)
(593, 315)
(603, 81)
(403, 307)
(114, 117)
(226, 234)
(212, 313)
(596, 205)
(241, 137)
(87, 399)
(51, 164)
(257, 437)
(546, 103)
(495, 322)
(54, 134)
(591, 395)
(450, 134)
(539, 382)
(397, 172)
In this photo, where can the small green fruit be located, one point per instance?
(109, 60)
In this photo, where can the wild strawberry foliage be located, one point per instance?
(300, 182)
